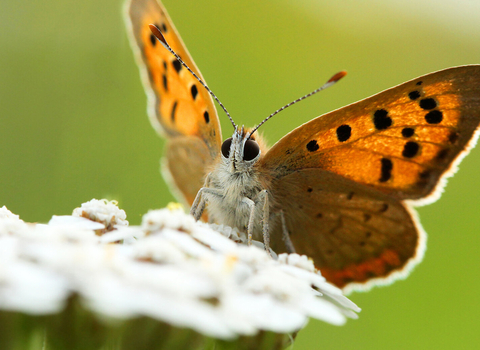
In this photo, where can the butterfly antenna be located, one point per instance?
(329, 83)
(158, 34)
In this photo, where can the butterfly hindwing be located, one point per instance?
(353, 233)
(185, 158)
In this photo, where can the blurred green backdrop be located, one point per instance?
(73, 123)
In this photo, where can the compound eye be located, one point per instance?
(251, 150)
(226, 147)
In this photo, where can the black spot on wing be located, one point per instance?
(386, 170)
(174, 109)
(153, 40)
(344, 132)
(453, 137)
(424, 176)
(442, 155)
(312, 146)
(165, 82)
(194, 91)
(410, 149)
(381, 120)
(428, 103)
(434, 117)
(407, 132)
(177, 65)
(413, 95)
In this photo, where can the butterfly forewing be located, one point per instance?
(179, 107)
(400, 141)
(179, 104)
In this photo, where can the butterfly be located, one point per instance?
(339, 188)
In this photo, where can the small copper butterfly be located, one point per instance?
(339, 188)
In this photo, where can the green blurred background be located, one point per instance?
(73, 123)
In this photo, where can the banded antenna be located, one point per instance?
(158, 34)
(329, 83)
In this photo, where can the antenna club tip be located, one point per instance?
(337, 77)
(157, 33)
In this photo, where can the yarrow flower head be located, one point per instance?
(104, 212)
(169, 281)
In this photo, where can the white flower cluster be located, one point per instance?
(170, 268)
(102, 211)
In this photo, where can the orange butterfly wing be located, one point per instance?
(354, 233)
(400, 141)
(179, 107)
(340, 178)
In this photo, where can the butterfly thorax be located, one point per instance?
(230, 208)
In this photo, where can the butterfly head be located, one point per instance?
(241, 151)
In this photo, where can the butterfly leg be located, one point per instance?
(286, 235)
(201, 199)
(261, 196)
(251, 217)
(266, 217)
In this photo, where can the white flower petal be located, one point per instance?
(75, 221)
(126, 234)
(7, 214)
